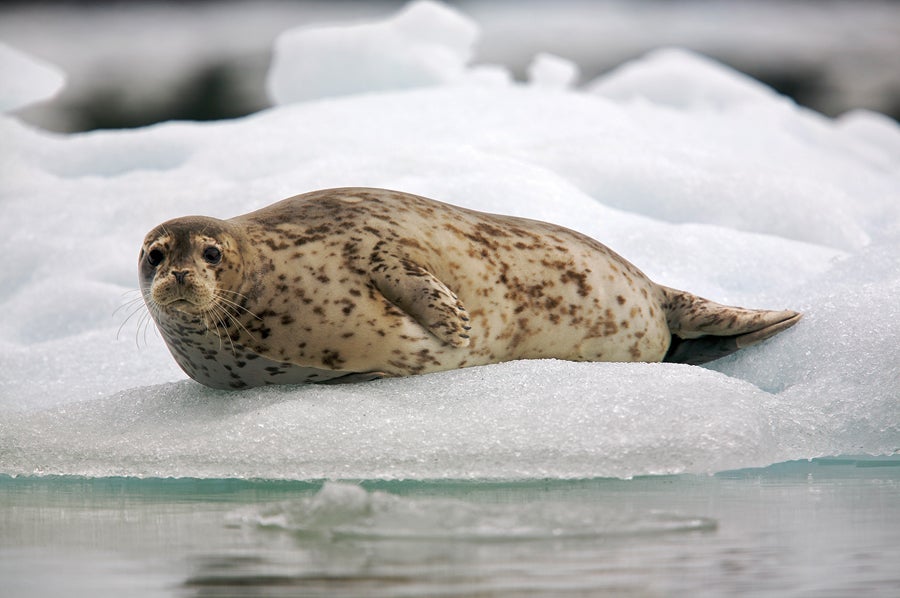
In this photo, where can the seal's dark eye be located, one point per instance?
(212, 255)
(155, 257)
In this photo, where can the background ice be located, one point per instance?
(685, 80)
(213, 64)
(735, 194)
(548, 70)
(426, 43)
(25, 79)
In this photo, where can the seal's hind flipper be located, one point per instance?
(423, 296)
(703, 330)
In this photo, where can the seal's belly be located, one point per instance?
(221, 363)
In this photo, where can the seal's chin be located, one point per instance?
(181, 305)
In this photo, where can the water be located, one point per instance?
(829, 527)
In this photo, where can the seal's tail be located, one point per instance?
(703, 330)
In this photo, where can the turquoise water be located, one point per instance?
(827, 527)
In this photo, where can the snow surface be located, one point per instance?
(703, 178)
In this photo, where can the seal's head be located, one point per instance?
(191, 265)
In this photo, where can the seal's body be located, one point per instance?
(354, 284)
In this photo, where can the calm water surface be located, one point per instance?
(829, 527)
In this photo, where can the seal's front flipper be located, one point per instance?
(703, 331)
(423, 296)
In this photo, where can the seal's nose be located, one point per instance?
(180, 275)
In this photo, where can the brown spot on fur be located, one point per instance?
(271, 244)
(332, 359)
(580, 278)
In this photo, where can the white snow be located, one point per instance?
(703, 179)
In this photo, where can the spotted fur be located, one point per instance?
(354, 284)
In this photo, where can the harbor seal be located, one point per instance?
(352, 284)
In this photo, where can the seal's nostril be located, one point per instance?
(179, 276)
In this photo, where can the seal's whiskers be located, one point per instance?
(232, 304)
(219, 318)
(224, 304)
(134, 306)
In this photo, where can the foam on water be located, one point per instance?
(341, 510)
(703, 178)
